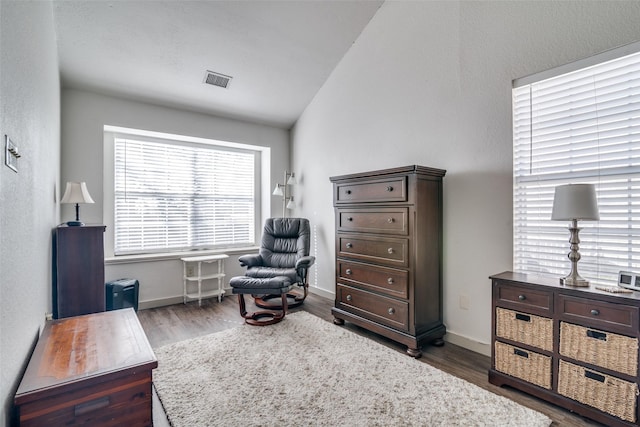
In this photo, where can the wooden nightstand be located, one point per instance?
(78, 270)
(93, 370)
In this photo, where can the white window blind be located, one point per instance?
(579, 127)
(175, 196)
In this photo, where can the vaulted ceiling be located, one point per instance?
(278, 53)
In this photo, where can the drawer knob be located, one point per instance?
(349, 245)
(522, 297)
(389, 188)
(349, 297)
(391, 310)
(390, 280)
(348, 191)
(390, 250)
(348, 271)
(350, 219)
(595, 312)
(390, 220)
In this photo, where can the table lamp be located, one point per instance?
(573, 202)
(76, 192)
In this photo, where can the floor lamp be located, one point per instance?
(284, 191)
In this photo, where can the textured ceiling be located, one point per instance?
(279, 53)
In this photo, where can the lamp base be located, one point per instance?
(75, 223)
(578, 282)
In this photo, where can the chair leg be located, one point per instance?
(270, 317)
(305, 292)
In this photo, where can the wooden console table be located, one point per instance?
(91, 370)
(574, 347)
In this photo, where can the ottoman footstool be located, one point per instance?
(279, 285)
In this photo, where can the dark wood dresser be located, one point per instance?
(78, 270)
(389, 253)
(574, 347)
(90, 370)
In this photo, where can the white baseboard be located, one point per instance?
(468, 343)
(322, 293)
(161, 302)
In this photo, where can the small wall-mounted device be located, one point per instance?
(629, 280)
(11, 154)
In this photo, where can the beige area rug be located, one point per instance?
(306, 371)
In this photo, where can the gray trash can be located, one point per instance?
(122, 293)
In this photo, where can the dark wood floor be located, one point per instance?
(165, 325)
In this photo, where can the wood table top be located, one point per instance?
(82, 347)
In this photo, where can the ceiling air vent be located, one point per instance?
(217, 79)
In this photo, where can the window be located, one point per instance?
(172, 195)
(581, 126)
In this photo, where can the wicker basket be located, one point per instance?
(611, 351)
(604, 392)
(525, 328)
(526, 365)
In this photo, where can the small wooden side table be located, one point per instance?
(89, 370)
(201, 276)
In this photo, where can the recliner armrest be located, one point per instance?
(251, 260)
(305, 262)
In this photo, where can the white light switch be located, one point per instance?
(11, 154)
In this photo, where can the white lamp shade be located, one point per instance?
(76, 192)
(292, 179)
(291, 204)
(278, 190)
(575, 201)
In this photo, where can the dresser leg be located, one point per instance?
(337, 321)
(414, 352)
(438, 342)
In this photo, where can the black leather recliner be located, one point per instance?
(284, 251)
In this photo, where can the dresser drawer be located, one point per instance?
(606, 349)
(604, 392)
(381, 220)
(378, 308)
(522, 298)
(599, 314)
(123, 401)
(526, 365)
(381, 190)
(525, 328)
(381, 250)
(375, 278)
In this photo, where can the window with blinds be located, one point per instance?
(176, 196)
(581, 126)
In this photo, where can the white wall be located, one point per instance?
(30, 115)
(429, 83)
(84, 115)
